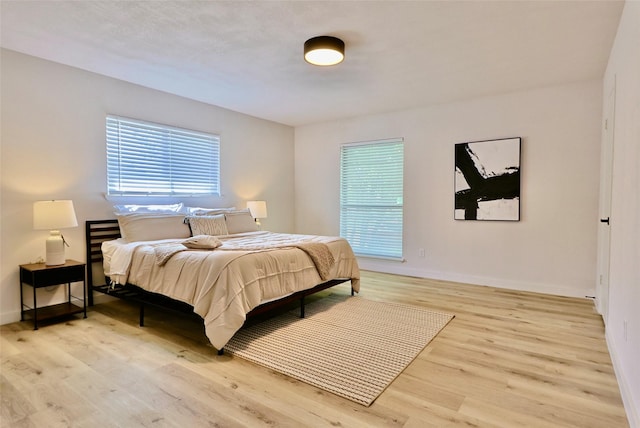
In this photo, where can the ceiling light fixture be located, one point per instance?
(324, 50)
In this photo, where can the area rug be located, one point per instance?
(350, 346)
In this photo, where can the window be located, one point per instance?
(146, 158)
(371, 186)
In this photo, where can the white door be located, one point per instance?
(604, 228)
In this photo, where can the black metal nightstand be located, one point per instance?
(39, 275)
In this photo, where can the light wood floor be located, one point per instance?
(508, 359)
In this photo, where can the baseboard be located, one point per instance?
(399, 269)
(9, 317)
(627, 399)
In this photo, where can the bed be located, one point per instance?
(234, 277)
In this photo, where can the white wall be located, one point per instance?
(53, 147)
(551, 250)
(624, 276)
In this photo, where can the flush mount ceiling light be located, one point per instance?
(324, 50)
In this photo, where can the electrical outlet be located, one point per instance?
(421, 252)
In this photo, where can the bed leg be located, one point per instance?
(141, 314)
(352, 291)
(302, 307)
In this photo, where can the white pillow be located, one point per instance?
(240, 222)
(206, 211)
(133, 208)
(151, 227)
(214, 225)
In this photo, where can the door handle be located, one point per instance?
(604, 220)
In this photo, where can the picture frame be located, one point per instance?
(487, 180)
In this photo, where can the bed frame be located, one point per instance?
(98, 231)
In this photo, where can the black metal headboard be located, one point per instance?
(96, 232)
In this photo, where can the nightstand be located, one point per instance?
(39, 275)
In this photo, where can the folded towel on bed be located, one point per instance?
(320, 255)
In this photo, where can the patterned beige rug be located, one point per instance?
(350, 346)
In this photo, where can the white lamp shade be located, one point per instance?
(258, 209)
(54, 215)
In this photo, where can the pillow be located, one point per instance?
(206, 211)
(151, 227)
(207, 225)
(240, 221)
(172, 208)
(202, 242)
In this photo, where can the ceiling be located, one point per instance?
(247, 55)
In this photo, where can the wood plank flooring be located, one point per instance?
(508, 359)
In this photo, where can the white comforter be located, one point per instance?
(224, 284)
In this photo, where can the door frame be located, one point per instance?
(605, 221)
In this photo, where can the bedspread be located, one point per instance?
(223, 285)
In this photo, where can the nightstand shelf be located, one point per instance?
(39, 275)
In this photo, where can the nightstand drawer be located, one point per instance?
(46, 277)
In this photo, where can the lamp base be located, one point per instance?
(55, 249)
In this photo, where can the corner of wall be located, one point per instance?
(625, 388)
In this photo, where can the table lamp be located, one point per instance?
(258, 210)
(53, 216)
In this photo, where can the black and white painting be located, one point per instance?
(487, 180)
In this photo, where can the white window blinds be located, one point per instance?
(371, 205)
(146, 158)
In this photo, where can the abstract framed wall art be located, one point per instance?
(487, 180)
